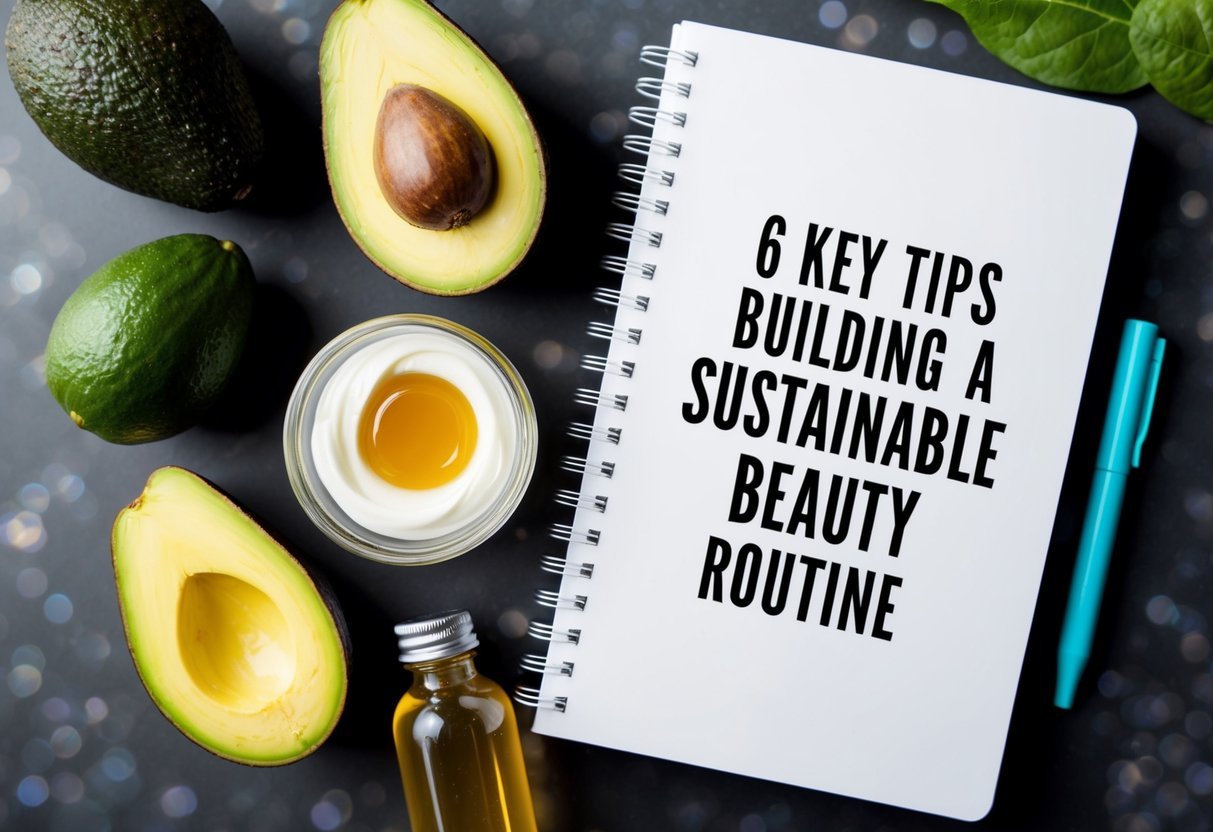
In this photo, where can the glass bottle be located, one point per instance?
(456, 736)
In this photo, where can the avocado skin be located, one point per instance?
(146, 344)
(149, 96)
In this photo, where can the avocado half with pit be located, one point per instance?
(233, 640)
(435, 165)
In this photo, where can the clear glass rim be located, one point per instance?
(324, 512)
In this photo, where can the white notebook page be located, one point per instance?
(1026, 187)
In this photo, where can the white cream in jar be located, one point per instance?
(392, 430)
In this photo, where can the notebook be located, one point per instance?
(836, 400)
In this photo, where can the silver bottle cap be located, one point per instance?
(437, 636)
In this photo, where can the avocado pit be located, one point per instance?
(434, 164)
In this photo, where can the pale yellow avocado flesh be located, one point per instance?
(369, 47)
(230, 636)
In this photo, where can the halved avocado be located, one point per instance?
(373, 46)
(231, 637)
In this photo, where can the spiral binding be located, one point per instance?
(560, 565)
(614, 297)
(580, 430)
(648, 146)
(540, 664)
(566, 533)
(624, 267)
(546, 632)
(626, 232)
(610, 332)
(581, 465)
(571, 598)
(530, 697)
(654, 87)
(637, 203)
(554, 600)
(661, 56)
(602, 364)
(597, 398)
(649, 116)
(639, 174)
(575, 499)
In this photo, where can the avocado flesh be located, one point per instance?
(371, 46)
(232, 639)
(148, 96)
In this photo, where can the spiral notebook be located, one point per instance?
(833, 411)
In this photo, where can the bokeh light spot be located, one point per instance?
(33, 791)
(921, 33)
(67, 787)
(24, 681)
(178, 801)
(117, 764)
(832, 14)
(66, 742)
(96, 710)
(58, 608)
(31, 582)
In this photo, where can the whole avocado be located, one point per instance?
(146, 344)
(149, 95)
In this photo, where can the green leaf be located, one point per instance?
(1076, 44)
(1173, 40)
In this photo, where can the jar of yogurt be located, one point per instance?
(410, 439)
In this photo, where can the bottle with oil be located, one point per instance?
(456, 736)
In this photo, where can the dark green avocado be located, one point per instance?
(146, 344)
(147, 95)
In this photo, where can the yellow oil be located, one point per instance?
(460, 757)
(417, 431)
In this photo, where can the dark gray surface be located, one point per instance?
(1134, 756)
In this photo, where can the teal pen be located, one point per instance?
(1129, 410)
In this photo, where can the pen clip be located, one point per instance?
(1147, 405)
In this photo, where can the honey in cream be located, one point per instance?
(417, 431)
(415, 435)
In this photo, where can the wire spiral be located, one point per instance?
(572, 596)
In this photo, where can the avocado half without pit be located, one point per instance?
(234, 642)
(435, 165)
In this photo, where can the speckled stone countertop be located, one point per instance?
(82, 748)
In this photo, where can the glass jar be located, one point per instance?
(456, 735)
(492, 509)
